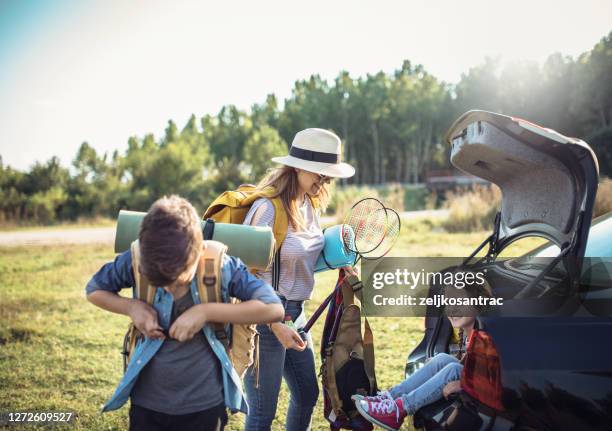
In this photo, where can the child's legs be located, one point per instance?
(263, 400)
(423, 374)
(213, 419)
(301, 379)
(142, 419)
(431, 390)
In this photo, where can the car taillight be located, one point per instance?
(481, 377)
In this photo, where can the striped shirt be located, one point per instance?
(299, 251)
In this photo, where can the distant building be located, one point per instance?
(443, 180)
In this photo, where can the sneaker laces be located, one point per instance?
(386, 406)
(380, 396)
(384, 395)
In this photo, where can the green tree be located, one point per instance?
(263, 144)
(171, 133)
(601, 142)
(12, 198)
(596, 75)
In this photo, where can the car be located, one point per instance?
(537, 368)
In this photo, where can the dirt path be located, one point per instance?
(90, 235)
(106, 235)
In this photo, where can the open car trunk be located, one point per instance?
(548, 181)
(548, 184)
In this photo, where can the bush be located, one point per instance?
(416, 198)
(601, 143)
(344, 197)
(392, 195)
(603, 200)
(472, 210)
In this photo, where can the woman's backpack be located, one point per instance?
(347, 356)
(238, 340)
(232, 206)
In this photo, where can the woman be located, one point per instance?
(301, 185)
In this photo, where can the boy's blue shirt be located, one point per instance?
(236, 281)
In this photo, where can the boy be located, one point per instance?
(180, 376)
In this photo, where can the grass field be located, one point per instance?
(60, 353)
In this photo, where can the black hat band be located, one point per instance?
(314, 156)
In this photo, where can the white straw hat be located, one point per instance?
(318, 151)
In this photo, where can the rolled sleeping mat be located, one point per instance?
(254, 245)
(335, 254)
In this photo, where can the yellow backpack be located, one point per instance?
(240, 346)
(232, 207)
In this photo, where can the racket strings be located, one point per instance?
(392, 231)
(364, 218)
(370, 229)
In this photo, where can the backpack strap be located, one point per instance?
(352, 292)
(368, 354)
(208, 281)
(276, 265)
(142, 289)
(281, 221)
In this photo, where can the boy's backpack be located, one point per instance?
(239, 344)
(347, 356)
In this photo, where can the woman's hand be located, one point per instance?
(451, 388)
(189, 323)
(351, 270)
(145, 319)
(288, 337)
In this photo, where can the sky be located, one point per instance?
(102, 71)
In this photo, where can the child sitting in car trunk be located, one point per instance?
(439, 377)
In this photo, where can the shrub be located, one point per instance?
(392, 195)
(344, 197)
(416, 197)
(603, 200)
(472, 210)
(601, 142)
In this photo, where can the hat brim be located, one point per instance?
(336, 170)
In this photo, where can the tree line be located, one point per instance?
(391, 124)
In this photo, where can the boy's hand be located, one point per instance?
(288, 337)
(145, 319)
(189, 323)
(451, 388)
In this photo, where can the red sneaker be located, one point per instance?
(381, 396)
(388, 414)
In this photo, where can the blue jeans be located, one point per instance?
(426, 384)
(275, 362)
